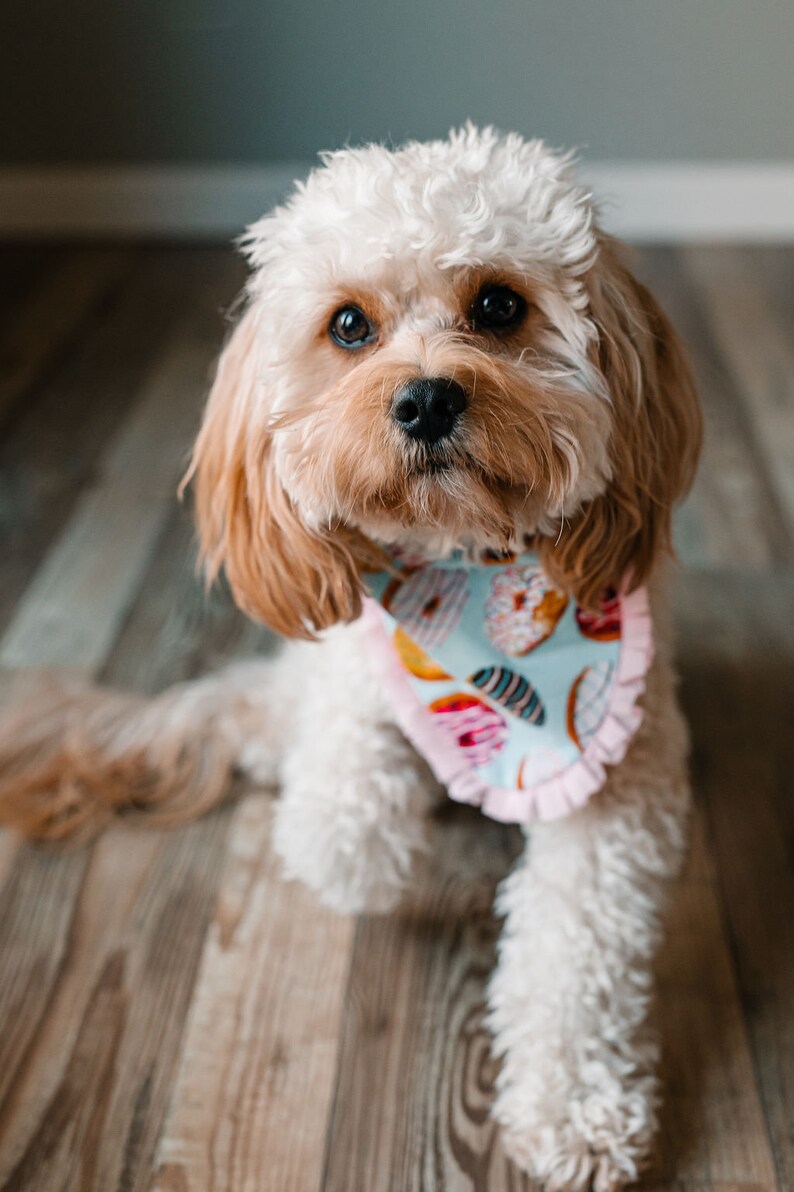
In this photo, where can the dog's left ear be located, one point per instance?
(295, 579)
(655, 443)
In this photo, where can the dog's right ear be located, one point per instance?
(294, 579)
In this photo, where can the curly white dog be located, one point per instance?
(440, 351)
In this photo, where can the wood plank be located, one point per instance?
(90, 1080)
(23, 265)
(733, 517)
(713, 1130)
(415, 1075)
(101, 553)
(648, 1185)
(251, 1101)
(50, 453)
(187, 631)
(8, 848)
(759, 353)
(41, 327)
(87, 1097)
(36, 901)
(773, 266)
(739, 691)
(141, 888)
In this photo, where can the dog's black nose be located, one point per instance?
(428, 408)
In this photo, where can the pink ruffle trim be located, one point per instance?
(560, 794)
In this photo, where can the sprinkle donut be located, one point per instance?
(522, 609)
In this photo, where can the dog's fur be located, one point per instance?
(582, 430)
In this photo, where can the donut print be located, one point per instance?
(604, 625)
(539, 766)
(587, 702)
(515, 693)
(522, 609)
(475, 727)
(428, 603)
(495, 558)
(415, 660)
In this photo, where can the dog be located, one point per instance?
(439, 351)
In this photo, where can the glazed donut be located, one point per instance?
(414, 658)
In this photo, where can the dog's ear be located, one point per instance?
(655, 440)
(294, 579)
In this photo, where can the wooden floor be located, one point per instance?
(172, 1016)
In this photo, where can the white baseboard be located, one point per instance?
(643, 201)
(734, 201)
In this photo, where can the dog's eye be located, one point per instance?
(498, 308)
(350, 328)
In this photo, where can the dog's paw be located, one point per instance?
(594, 1144)
(354, 848)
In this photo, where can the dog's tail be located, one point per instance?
(75, 756)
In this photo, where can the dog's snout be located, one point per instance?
(428, 408)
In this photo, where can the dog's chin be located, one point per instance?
(430, 467)
(444, 504)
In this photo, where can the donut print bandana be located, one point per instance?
(517, 698)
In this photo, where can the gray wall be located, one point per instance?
(260, 81)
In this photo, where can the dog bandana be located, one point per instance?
(515, 696)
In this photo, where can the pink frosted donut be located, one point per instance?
(428, 603)
(522, 609)
(476, 728)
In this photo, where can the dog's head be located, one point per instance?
(439, 347)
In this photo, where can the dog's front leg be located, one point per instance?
(577, 1092)
(351, 813)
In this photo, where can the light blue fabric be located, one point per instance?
(478, 619)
